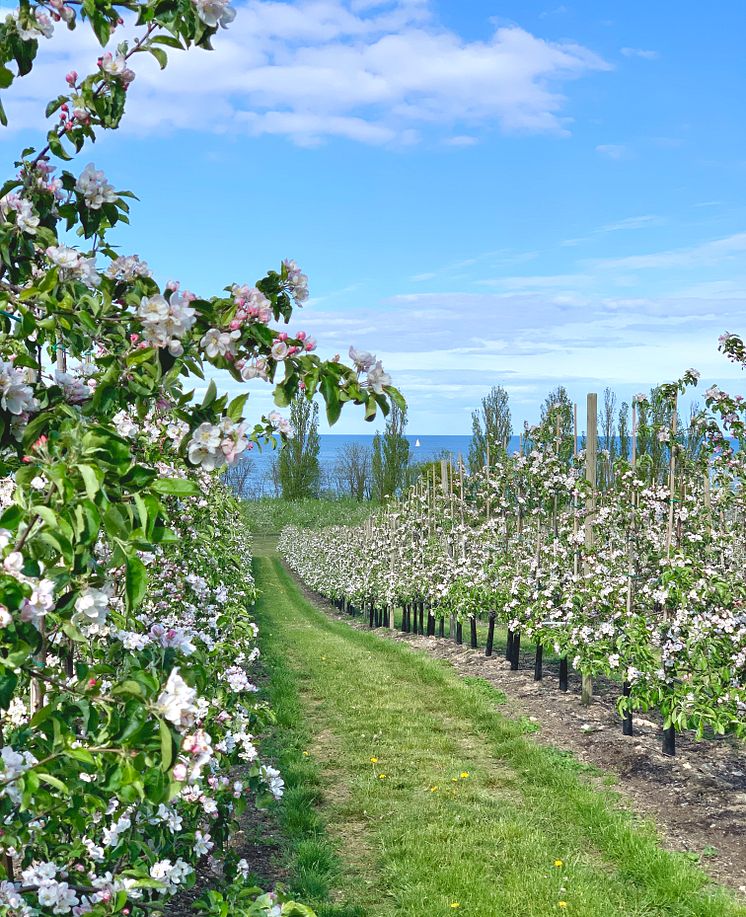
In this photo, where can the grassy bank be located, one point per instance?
(409, 794)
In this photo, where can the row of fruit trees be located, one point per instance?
(129, 719)
(639, 580)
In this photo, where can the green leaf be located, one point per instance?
(136, 584)
(11, 518)
(80, 754)
(90, 479)
(210, 395)
(130, 686)
(53, 781)
(71, 631)
(138, 476)
(8, 684)
(160, 55)
(396, 396)
(235, 408)
(6, 77)
(167, 746)
(175, 487)
(330, 392)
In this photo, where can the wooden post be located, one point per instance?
(591, 456)
(392, 560)
(627, 726)
(489, 488)
(671, 476)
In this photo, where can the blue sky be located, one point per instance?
(515, 193)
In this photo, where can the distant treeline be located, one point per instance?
(371, 473)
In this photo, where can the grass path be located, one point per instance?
(435, 803)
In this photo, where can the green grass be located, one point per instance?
(487, 842)
(268, 515)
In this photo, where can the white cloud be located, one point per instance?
(640, 222)
(461, 140)
(640, 52)
(613, 150)
(706, 254)
(371, 72)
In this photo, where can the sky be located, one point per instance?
(482, 193)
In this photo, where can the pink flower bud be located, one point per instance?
(235, 325)
(301, 335)
(134, 338)
(72, 78)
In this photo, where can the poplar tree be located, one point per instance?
(491, 426)
(298, 465)
(390, 458)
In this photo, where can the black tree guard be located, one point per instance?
(490, 634)
(539, 663)
(473, 623)
(627, 719)
(669, 742)
(509, 646)
(563, 674)
(515, 658)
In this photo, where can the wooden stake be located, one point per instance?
(671, 475)
(591, 455)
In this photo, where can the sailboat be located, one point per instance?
(416, 442)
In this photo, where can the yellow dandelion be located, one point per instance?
(562, 904)
(454, 779)
(433, 789)
(455, 905)
(464, 775)
(382, 776)
(558, 864)
(374, 760)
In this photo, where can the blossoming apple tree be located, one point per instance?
(655, 599)
(125, 643)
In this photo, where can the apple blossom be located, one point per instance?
(94, 188)
(177, 701)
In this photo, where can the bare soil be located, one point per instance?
(696, 799)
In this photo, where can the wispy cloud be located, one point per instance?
(640, 52)
(614, 150)
(707, 254)
(639, 222)
(375, 73)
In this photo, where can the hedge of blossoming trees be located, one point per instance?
(641, 582)
(125, 642)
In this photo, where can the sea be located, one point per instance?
(423, 448)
